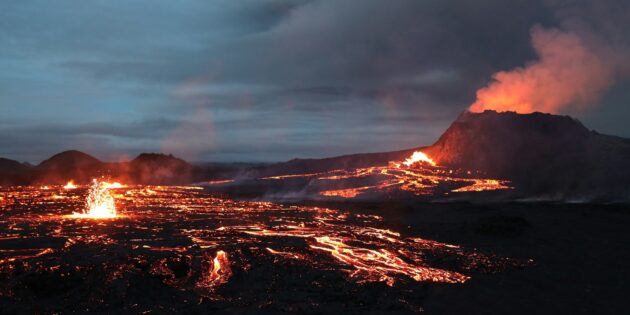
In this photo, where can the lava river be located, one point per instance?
(202, 249)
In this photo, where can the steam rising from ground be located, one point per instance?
(570, 73)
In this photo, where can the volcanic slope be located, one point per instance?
(542, 154)
(547, 157)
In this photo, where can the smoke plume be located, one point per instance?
(571, 73)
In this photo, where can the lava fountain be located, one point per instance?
(419, 156)
(99, 204)
(70, 185)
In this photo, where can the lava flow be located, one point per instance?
(220, 248)
(419, 175)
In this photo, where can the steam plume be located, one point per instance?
(569, 74)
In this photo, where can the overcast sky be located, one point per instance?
(263, 80)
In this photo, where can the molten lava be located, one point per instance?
(218, 273)
(70, 185)
(113, 185)
(99, 204)
(224, 249)
(418, 157)
(418, 174)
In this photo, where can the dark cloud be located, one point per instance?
(265, 80)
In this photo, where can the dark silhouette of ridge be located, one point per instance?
(12, 166)
(68, 160)
(146, 168)
(541, 153)
(157, 168)
(69, 165)
(13, 172)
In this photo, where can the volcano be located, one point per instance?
(545, 156)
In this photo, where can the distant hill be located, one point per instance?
(13, 172)
(157, 168)
(69, 165)
(68, 160)
(146, 168)
(11, 166)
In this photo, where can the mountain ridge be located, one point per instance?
(80, 167)
(542, 154)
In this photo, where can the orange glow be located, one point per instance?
(113, 185)
(418, 174)
(345, 193)
(70, 185)
(99, 204)
(218, 273)
(379, 265)
(219, 182)
(418, 157)
(569, 74)
(483, 184)
(227, 237)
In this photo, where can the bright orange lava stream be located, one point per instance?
(418, 174)
(218, 273)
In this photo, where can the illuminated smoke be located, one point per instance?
(569, 74)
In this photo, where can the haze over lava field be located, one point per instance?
(314, 157)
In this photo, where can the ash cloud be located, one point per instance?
(577, 63)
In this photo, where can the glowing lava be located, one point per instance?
(99, 204)
(113, 185)
(70, 185)
(418, 174)
(218, 273)
(417, 157)
(197, 243)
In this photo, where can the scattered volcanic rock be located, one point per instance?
(542, 154)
